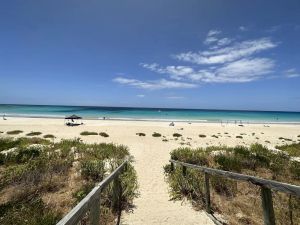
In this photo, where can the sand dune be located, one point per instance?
(151, 154)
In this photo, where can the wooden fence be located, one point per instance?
(92, 201)
(266, 187)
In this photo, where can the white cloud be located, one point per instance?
(243, 70)
(175, 72)
(227, 54)
(154, 84)
(243, 28)
(291, 73)
(211, 37)
(140, 96)
(224, 41)
(213, 33)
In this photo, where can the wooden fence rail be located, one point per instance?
(266, 187)
(91, 201)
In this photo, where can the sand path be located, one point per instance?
(153, 206)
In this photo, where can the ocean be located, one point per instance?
(156, 114)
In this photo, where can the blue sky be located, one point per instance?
(215, 54)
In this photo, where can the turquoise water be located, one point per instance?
(150, 113)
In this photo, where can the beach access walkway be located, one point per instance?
(154, 206)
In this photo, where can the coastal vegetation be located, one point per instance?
(202, 135)
(48, 136)
(41, 181)
(141, 134)
(155, 134)
(103, 134)
(14, 132)
(34, 133)
(87, 133)
(177, 135)
(237, 202)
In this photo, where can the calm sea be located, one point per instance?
(89, 112)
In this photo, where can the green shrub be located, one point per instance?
(34, 133)
(241, 137)
(86, 133)
(295, 169)
(141, 134)
(103, 134)
(229, 163)
(14, 132)
(155, 134)
(202, 135)
(30, 210)
(177, 135)
(214, 136)
(92, 169)
(49, 136)
(83, 191)
(292, 149)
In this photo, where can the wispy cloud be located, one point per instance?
(140, 96)
(291, 73)
(223, 60)
(227, 54)
(243, 28)
(154, 84)
(211, 37)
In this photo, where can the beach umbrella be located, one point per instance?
(73, 117)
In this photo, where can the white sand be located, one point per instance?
(151, 154)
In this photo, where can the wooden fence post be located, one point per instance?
(267, 205)
(95, 212)
(207, 193)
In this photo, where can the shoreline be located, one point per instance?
(205, 121)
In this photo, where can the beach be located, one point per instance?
(153, 206)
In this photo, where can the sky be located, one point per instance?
(209, 54)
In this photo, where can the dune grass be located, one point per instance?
(292, 149)
(34, 133)
(14, 132)
(87, 133)
(228, 196)
(155, 134)
(42, 172)
(103, 134)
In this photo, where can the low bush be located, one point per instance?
(155, 134)
(34, 133)
(255, 160)
(49, 136)
(141, 134)
(44, 171)
(14, 132)
(202, 135)
(103, 134)
(87, 133)
(177, 135)
(292, 149)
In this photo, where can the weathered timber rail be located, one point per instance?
(266, 187)
(92, 201)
